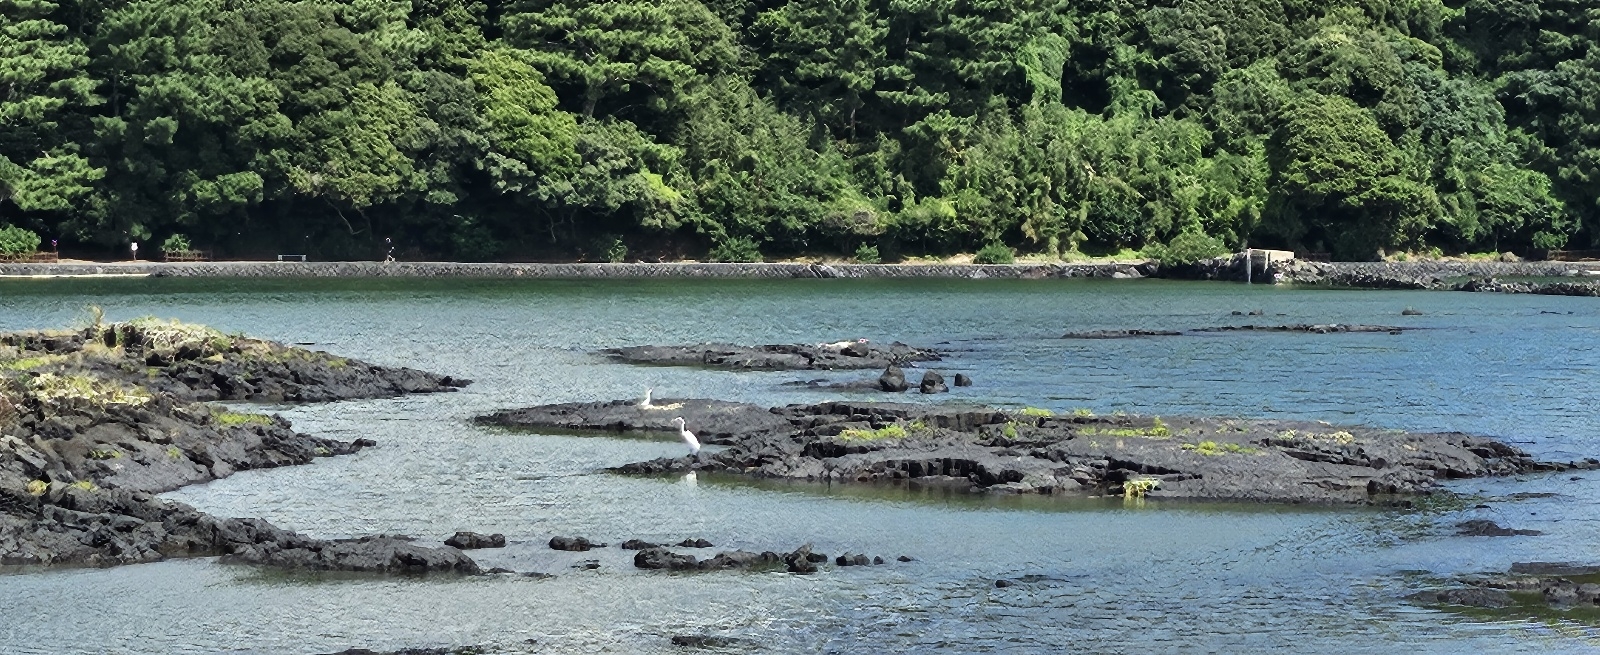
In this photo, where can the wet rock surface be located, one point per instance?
(95, 422)
(1120, 334)
(1307, 328)
(1528, 585)
(992, 451)
(576, 544)
(473, 540)
(789, 357)
(1487, 528)
(373, 554)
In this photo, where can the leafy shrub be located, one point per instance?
(1543, 240)
(617, 252)
(17, 241)
(994, 253)
(736, 249)
(867, 254)
(1188, 248)
(1037, 411)
(176, 243)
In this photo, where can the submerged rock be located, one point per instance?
(1558, 585)
(932, 383)
(1470, 597)
(705, 641)
(1487, 528)
(843, 355)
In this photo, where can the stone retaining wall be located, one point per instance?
(1390, 275)
(636, 270)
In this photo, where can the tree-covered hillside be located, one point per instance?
(477, 129)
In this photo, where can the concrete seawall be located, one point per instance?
(558, 271)
(1582, 278)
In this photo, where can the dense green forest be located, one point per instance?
(735, 129)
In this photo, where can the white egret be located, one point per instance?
(645, 401)
(687, 436)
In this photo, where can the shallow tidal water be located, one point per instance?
(1112, 577)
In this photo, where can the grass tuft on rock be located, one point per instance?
(1212, 448)
(229, 419)
(153, 333)
(82, 390)
(896, 431)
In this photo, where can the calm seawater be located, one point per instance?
(1157, 578)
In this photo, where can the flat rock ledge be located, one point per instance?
(712, 421)
(992, 451)
(95, 422)
(775, 357)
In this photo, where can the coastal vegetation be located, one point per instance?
(736, 130)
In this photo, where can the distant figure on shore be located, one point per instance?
(687, 437)
(134, 248)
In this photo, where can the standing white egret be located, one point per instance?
(645, 401)
(687, 436)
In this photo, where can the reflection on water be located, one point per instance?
(1095, 574)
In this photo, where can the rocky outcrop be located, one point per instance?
(195, 363)
(1444, 275)
(787, 357)
(373, 554)
(893, 380)
(95, 422)
(575, 544)
(992, 451)
(932, 383)
(473, 540)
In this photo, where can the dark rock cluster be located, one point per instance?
(95, 422)
(1034, 452)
